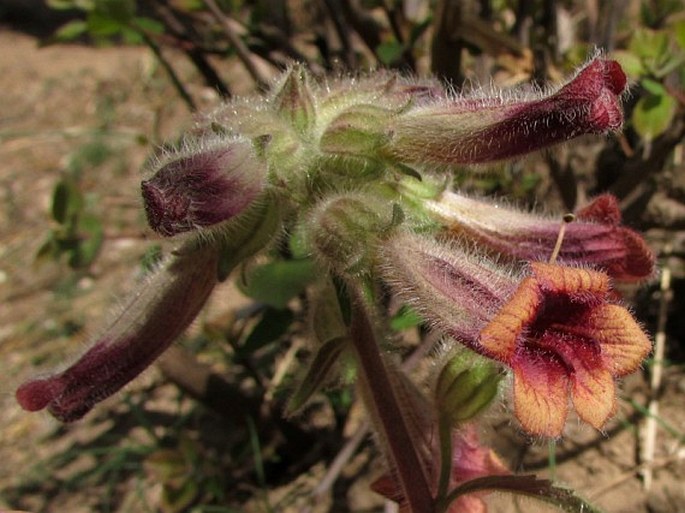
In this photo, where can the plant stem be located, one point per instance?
(384, 406)
(445, 434)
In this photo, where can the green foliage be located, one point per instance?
(276, 283)
(78, 233)
(651, 57)
(106, 19)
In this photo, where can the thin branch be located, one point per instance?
(241, 49)
(656, 374)
(175, 80)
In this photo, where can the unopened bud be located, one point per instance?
(343, 230)
(294, 99)
(203, 186)
(466, 386)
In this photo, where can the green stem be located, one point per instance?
(383, 404)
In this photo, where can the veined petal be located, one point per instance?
(502, 335)
(592, 385)
(624, 344)
(540, 394)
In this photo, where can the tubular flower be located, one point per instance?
(556, 327)
(594, 238)
(153, 318)
(473, 130)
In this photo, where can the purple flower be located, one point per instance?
(555, 326)
(151, 320)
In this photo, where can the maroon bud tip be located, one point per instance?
(36, 395)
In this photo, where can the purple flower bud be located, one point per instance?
(148, 324)
(595, 237)
(475, 130)
(202, 187)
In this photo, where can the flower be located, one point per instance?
(151, 320)
(596, 237)
(559, 333)
(208, 182)
(471, 130)
(555, 326)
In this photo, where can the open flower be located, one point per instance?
(559, 333)
(555, 327)
(596, 237)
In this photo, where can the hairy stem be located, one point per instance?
(383, 404)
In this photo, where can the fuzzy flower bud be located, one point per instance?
(203, 186)
(152, 319)
(596, 237)
(466, 386)
(472, 130)
(344, 228)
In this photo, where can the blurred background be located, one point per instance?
(90, 88)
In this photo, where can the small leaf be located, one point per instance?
(317, 374)
(389, 52)
(404, 319)
(630, 63)
(71, 30)
(273, 325)
(103, 26)
(653, 87)
(67, 201)
(148, 25)
(276, 283)
(90, 228)
(653, 115)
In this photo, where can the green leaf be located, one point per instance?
(71, 30)
(653, 115)
(67, 201)
(273, 325)
(317, 374)
(679, 33)
(389, 52)
(529, 486)
(103, 26)
(276, 283)
(148, 25)
(92, 235)
(653, 87)
(404, 319)
(120, 11)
